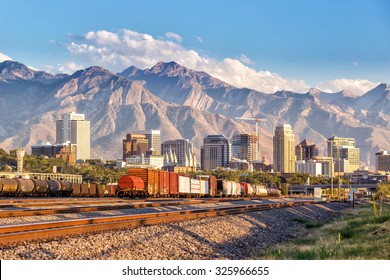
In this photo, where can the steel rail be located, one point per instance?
(124, 205)
(49, 230)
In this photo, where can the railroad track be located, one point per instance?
(121, 205)
(49, 230)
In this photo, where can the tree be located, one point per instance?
(382, 191)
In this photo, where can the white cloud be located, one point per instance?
(357, 87)
(4, 57)
(355, 63)
(69, 67)
(117, 51)
(174, 36)
(246, 60)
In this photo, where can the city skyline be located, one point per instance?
(274, 45)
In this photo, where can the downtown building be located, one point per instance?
(178, 152)
(284, 149)
(134, 145)
(74, 129)
(382, 161)
(244, 147)
(345, 155)
(215, 152)
(306, 150)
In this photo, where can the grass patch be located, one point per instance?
(357, 236)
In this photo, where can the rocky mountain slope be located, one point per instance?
(181, 103)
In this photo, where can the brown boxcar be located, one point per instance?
(110, 190)
(173, 184)
(93, 189)
(212, 186)
(164, 183)
(101, 190)
(41, 186)
(25, 186)
(84, 189)
(149, 176)
(76, 189)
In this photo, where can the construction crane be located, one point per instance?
(257, 120)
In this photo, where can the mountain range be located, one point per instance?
(182, 103)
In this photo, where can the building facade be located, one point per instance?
(382, 161)
(309, 167)
(284, 149)
(75, 129)
(154, 139)
(306, 150)
(178, 152)
(66, 151)
(215, 152)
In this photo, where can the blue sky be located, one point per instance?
(266, 45)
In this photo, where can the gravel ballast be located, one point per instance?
(228, 237)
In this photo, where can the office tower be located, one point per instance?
(75, 129)
(306, 150)
(154, 139)
(344, 153)
(215, 152)
(178, 152)
(134, 145)
(382, 161)
(243, 147)
(284, 149)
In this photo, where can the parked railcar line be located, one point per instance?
(49, 230)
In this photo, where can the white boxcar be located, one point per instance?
(227, 188)
(184, 185)
(195, 186)
(250, 189)
(204, 186)
(236, 189)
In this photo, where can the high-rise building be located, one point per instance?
(178, 152)
(243, 147)
(382, 161)
(134, 145)
(306, 150)
(284, 149)
(344, 153)
(154, 139)
(215, 152)
(75, 129)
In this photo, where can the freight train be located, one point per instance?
(35, 187)
(144, 182)
(140, 182)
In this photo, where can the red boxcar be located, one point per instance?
(173, 184)
(130, 186)
(164, 183)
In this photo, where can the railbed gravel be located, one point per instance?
(227, 237)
